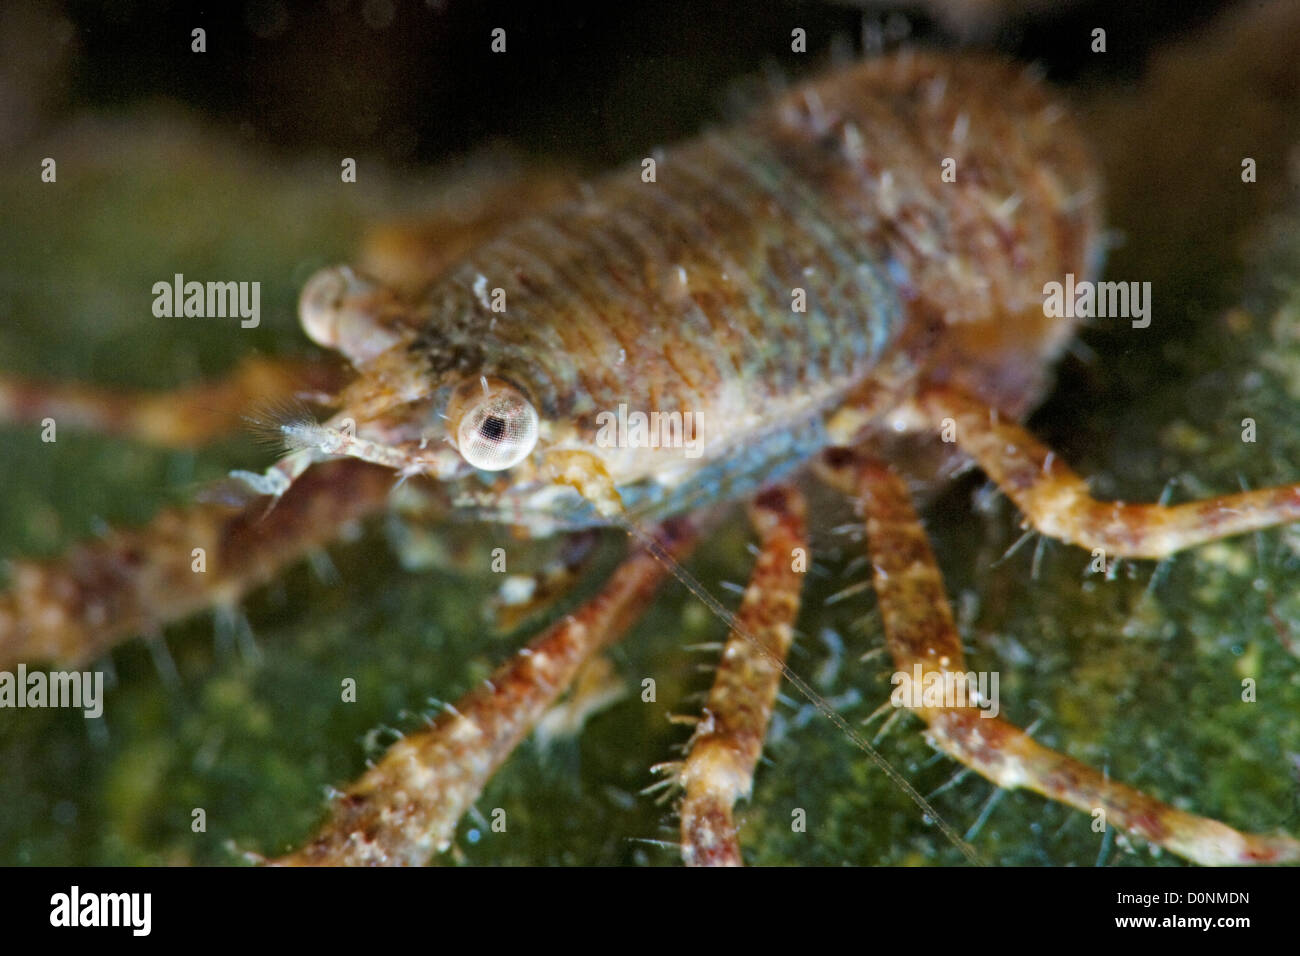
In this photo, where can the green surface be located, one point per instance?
(1143, 679)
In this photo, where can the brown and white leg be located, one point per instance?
(406, 807)
(72, 609)
(180, 418)
(723, 752)
(1056, 501)
(920, 630)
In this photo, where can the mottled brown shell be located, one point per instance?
(915, 206)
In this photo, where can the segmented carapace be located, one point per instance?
(890, 225)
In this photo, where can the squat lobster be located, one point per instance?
(924, 316)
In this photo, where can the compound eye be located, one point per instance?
(498, 429)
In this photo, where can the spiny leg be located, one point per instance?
(1056, 501)
(72, 609)
(919, 629)
(406, 807)
(728, 740)
(185, 417)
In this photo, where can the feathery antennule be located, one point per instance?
(310, 441)
(271, 421)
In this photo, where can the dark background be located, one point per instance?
(409, 80)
